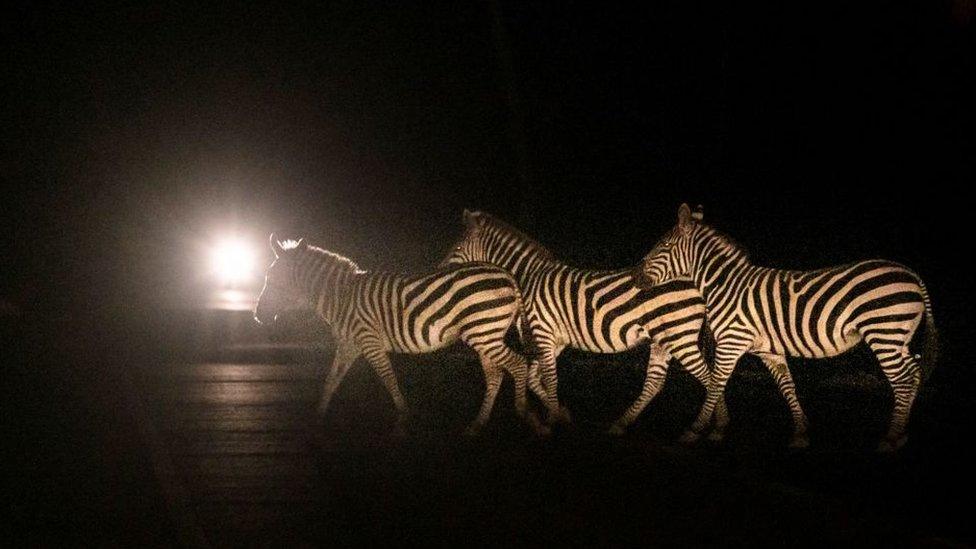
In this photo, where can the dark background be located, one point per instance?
(814, 133)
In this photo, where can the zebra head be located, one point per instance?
(671, 257)
(471, 246)
(281, 292)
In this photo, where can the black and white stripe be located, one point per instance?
(775, 313)
(374, 314)
(591, 310)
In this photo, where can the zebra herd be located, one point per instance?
(694, 277)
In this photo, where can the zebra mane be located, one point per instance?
(725, 243)
(488, 220)
(336, 259)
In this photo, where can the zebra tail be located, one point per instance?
(931, 346)
(529, 348)
(706, 344)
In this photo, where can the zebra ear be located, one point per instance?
(275, 245)
(684, 218)
(470, 218)
(699, 213)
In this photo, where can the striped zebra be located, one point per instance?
(773, 313)
(374, 314)
(592, 310)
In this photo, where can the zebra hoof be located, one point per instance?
(716, 436)
(538, 427)
(799, 442)
(317, 421)
(888, 445)
(542, 430)
(400, 430)
(564, 415)
(560, 415)
(616, 430)
(689, 437)
(472, 431)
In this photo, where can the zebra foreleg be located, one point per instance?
(726, 357)
(657, 370)
(694, 363)
(776, 364)
(345, 355)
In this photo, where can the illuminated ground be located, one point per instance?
(213, 442)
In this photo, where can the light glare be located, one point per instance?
(233, 261)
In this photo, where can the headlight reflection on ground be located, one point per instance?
(232, 300)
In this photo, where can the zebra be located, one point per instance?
(373, 314)
(593, 310)
(774, 313)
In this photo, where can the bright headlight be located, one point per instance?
(233, 261)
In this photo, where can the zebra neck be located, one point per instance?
(524, 263)
(329, 291)
(719, 276)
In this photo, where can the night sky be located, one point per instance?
(814, 134)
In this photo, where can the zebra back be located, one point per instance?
(585, 305)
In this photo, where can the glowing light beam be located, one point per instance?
(233, 261)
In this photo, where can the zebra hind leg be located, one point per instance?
(535, 382)
(516, 365)
(903, 373)
(721, 417)
(776, 364)
(726, 357)
(657, 370)
(547, 368)
(493, 381)
(381, 364)
(345, 355)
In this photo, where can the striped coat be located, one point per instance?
(592, 310)
(374, 314)
(775, 313)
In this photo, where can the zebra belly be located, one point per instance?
(634, 336)
(809, 349)
(847, 341)
(606, 350)
(438, 339)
